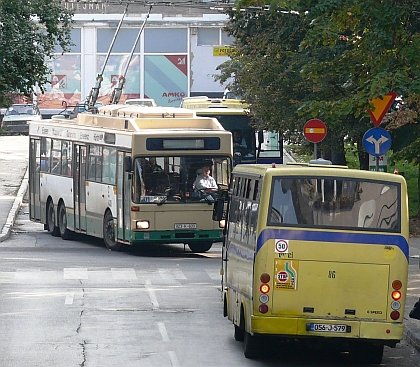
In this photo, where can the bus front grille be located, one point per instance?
(184, 235)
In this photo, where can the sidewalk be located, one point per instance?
(412, 326)
(13, 179)
(11, 199)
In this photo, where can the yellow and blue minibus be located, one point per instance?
(316, 253)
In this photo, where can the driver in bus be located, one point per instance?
(204, 181)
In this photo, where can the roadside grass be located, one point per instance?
(409, 170)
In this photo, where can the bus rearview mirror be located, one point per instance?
(128, 164)
(218, 207)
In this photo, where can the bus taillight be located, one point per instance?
(265, 278)
(396, 295)
(263, 308)
(396, 284)
(264, 288)
(395, 315)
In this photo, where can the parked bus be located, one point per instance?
(126, 175)
(316, 253)
(233, 114)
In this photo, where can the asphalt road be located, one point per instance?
(74, 303)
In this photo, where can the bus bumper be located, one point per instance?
(388, 333)
(177, 236)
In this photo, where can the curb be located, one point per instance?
(412, 336)
(285, 152)
(5, 233)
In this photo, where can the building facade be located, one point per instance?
(176, 54)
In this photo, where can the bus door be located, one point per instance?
(34, 186)
(79, 183)
(123, 200)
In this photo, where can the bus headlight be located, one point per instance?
(142, 224)
(222, 223)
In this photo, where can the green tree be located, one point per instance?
(29, 33)
(302, 59)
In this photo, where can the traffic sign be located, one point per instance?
(381, 105)
(315, 130)
(282, 276)
(380, 163)
(377, 141)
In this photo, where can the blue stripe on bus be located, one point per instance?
(363, 238)
(241, 252)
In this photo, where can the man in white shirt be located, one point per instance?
(204, 181)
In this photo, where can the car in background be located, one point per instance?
(83, 107)
(72, 113)
(16, 117)
(146, 102)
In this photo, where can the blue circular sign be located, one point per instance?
(377, 141)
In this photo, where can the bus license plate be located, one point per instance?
(185, 226)
(331, 328)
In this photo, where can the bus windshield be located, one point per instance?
(172, 178)
(329, 202)
(243, 135)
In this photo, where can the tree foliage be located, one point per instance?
(29, 33)
(302, 59)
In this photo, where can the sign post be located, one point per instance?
(315, 131)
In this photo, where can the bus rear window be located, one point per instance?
(327, 202)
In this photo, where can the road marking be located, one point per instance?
(214, 274)
(27, 274)
(173, 358)
(69, 299)
(123, 274)
(152, 295)
(163, 332)
(171, 274)
(75, 273)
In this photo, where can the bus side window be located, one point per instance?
(256, 195)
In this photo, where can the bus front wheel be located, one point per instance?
(200, 246)
(52, 228)
(109, 233)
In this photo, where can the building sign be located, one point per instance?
(166, 78)
(222, 50)
(86, 6)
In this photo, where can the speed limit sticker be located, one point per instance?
(282, 246)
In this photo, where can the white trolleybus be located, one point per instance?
(127, 175)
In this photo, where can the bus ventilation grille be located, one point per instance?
(184, 235)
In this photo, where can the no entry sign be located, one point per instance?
(315, 130)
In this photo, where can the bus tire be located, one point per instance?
(239, 333)
(368, 353)
(200, 246)
(109, 233)
(252, 346)
(65, 233)
(52, 228)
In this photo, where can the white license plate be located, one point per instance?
(185, 226)
(330, 328)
